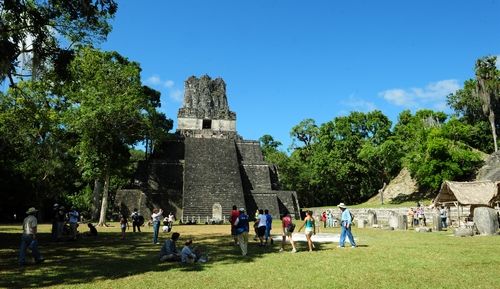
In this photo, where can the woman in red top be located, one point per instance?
(323, 219)
(287, 232)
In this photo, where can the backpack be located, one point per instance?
(140, 220)
(352, 216)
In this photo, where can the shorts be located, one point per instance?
(308, 231)
(286, 232)
(261, 231)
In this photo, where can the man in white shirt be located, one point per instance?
(28, 239)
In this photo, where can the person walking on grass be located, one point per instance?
(136, 220)
(310, 229)
(345, 223)
(288, 227)
(242, 228)
(28, 239)
(156, 218)
(234, 216)
(261, 226)
(123, 225)
(269, 226)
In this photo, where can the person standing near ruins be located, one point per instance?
(123, 225)
(234, 216)
(310, 229)
(443, 213)
(261, 226)
(329, 218)
(288, 227)
(156, 218)
(73, 218)
(269, 225)
(345, 223)
(171, 219)
(61, 219)
(136, 220)
(28, 239)
(55, 212)
(411, 216)
(242, 229)
(323, 219)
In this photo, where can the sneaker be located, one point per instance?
(353, 247)
(294, 250)
(281, 250)
(341, 247)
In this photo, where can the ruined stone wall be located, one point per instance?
(212, 175)
(288, 203)
(265, 199)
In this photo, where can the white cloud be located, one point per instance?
(173, 92)
(176, 94)
(153, 80)
(169, 84)
(432, 95)
(359, 104)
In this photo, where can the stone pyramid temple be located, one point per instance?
(205, 168)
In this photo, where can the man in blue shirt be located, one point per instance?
(269, 224)
(345, 222)
(168, 251)
(241, 231)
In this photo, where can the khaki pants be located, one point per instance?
(243, 240)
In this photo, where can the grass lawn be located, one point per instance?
(384, 259)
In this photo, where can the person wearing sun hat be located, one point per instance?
(28, 239)
(346, 222)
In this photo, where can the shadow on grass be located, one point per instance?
(108, 257)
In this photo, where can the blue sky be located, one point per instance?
(284, 61)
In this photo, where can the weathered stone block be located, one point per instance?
(372, 218)
(486, 220)
(362, 223)
(397, 221)
(436, 222)
(423, 230)
(463, 232)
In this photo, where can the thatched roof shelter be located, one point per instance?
(460, 194)
(469, 193)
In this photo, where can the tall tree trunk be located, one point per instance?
(491, 118)
(96, 199)
(104, 204)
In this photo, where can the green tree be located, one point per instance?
(35, 146)
(305, 132)
(488, 91)
(39, 29)
(435, 150)
(109, 114)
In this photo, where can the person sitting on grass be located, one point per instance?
(168, 251)
(190, 255)
(92, 231)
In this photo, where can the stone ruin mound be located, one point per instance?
(402, 188)
(491, 169)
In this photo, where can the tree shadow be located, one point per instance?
(108, 257)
